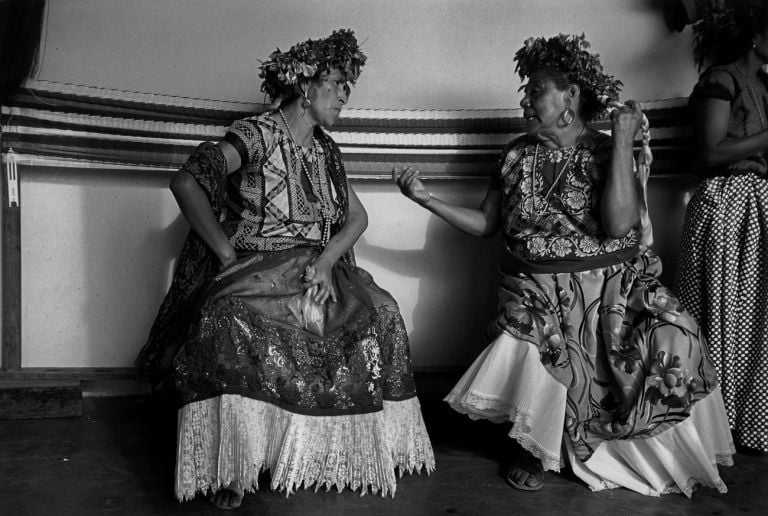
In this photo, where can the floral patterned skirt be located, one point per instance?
(327, 405)
(608, 363)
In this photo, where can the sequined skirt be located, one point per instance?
(249, 372)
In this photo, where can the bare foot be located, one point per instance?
(227, 497)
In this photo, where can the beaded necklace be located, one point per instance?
(325, 208)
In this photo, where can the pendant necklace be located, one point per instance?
(325, 210)
(556, 180)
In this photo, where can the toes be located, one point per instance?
(225, 499)
(532, 481)
(520, 476)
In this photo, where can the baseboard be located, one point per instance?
(127, 381)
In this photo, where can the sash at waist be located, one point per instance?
(512, 263)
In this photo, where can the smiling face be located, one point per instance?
(544, 103)
(328, 95)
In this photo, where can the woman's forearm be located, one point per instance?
(729, 151)
(197, 211)
(620, 207)
(343, 241)
(477, 222)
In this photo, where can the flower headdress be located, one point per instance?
(723, 28)
(568, 54)
(285, 72)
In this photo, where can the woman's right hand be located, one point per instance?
(407, 179)
(626, 122)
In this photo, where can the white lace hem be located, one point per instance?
(231, 439)
(507, 382)
(676, 461)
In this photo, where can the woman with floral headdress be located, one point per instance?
(282, 354)
(723, 265)
(592, 358)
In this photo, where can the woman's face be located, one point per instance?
(543, 105)
(328, 95)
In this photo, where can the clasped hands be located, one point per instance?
(316, 277)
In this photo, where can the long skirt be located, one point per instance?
(604, 368)
(319, 398)
(722, 280)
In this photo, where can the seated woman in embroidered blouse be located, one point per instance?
(281, 353)
(590, 353)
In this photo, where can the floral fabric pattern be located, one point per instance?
(633, 361)
(565, 224)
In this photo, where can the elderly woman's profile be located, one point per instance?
(280, 352)
(592, 359)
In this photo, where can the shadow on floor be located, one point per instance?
(118, 459)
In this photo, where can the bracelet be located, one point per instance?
(426, 203)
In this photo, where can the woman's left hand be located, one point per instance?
(627, 121)
(319, 273)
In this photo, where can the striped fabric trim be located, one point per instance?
(50, 124)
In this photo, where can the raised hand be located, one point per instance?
(627, 121)
(407, 179)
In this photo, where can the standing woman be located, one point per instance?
(281, 353)
(590, 353)
(723, 270)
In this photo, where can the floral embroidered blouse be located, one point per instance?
(566, 224)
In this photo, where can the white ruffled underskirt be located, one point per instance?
(228, 440)
(507, 382)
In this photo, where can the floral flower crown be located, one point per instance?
(719, 24)
(568, 54)
(285, 72)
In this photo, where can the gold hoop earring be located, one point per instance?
(568, 116)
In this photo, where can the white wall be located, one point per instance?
(97, 246)
(423, 54)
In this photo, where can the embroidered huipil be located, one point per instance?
(271, 204)
(566, 226)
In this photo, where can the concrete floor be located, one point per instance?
(118, 459)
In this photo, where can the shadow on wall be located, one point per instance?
(668, 197)
(456, 297)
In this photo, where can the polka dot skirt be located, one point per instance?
(722, 279)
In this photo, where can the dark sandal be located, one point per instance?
(532, 467)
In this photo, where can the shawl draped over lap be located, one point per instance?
(197, 265)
